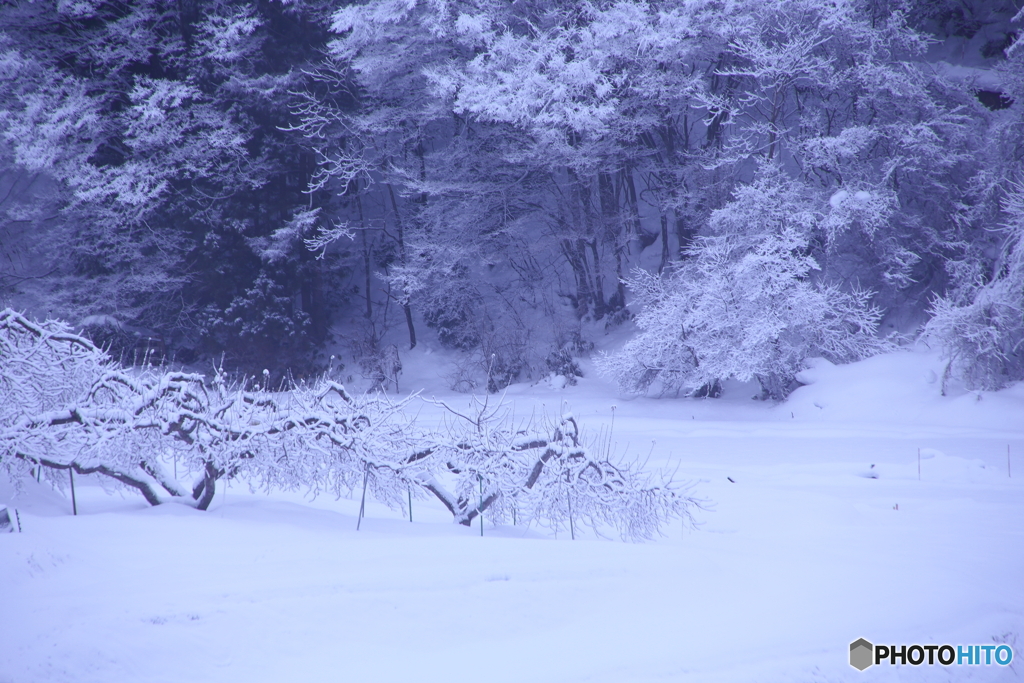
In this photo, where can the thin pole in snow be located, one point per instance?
(410, 505)
(611, 430)
(572, 528)
(362, 503)
(481, 508)
(74, 503)
(17, 516)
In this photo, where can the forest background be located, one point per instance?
(257, 183)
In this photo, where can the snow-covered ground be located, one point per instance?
(805, 547)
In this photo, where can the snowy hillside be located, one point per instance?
(817, 532)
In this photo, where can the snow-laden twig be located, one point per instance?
(548, 476)
(67, 406)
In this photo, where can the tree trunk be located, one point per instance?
(583, 222)
(577, 262)
(406, 308)
(664, 242)
(206, 488)
(367, 259)
(613, 224)
(684, 233)
(632, 223)
(600, 307)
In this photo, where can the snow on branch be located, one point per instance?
(516, 473)
(65, 405)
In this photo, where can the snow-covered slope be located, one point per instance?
(804, 548)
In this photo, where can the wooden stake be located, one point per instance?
(362, 503)
(572, 528)
(611, 430)
(74, 503)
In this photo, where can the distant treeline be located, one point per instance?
(250, 180)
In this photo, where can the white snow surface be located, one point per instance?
(838, 198)
(802, 553)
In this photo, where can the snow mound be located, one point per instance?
(900, 388)
(838, 198)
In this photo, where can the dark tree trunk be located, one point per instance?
(632, 223)
(367, 258)
(206, 488)
(600, 307)
(577, 262)
(589, 220)
(406, 308)
(665, 254)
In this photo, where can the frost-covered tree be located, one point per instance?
(65, 405)
(370, 117)
(838, 93)
(745, 305)
(116, 139)
(174, 190)
(454, 207)
(977, 321)
(580, 94)
(516, 472)
(980, 327)
(586, 131)
(492, 169)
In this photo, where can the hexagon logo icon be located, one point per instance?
(861, 652)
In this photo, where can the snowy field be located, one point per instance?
(799, 554)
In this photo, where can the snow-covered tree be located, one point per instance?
(978, 321)
(839, 94)
(585, 131)
(981, 326)
(521, 472)
(65, 405)
(496, 169)
(745, 305)
(173, 188)
(84, 112)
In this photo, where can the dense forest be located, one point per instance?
(743, 183)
